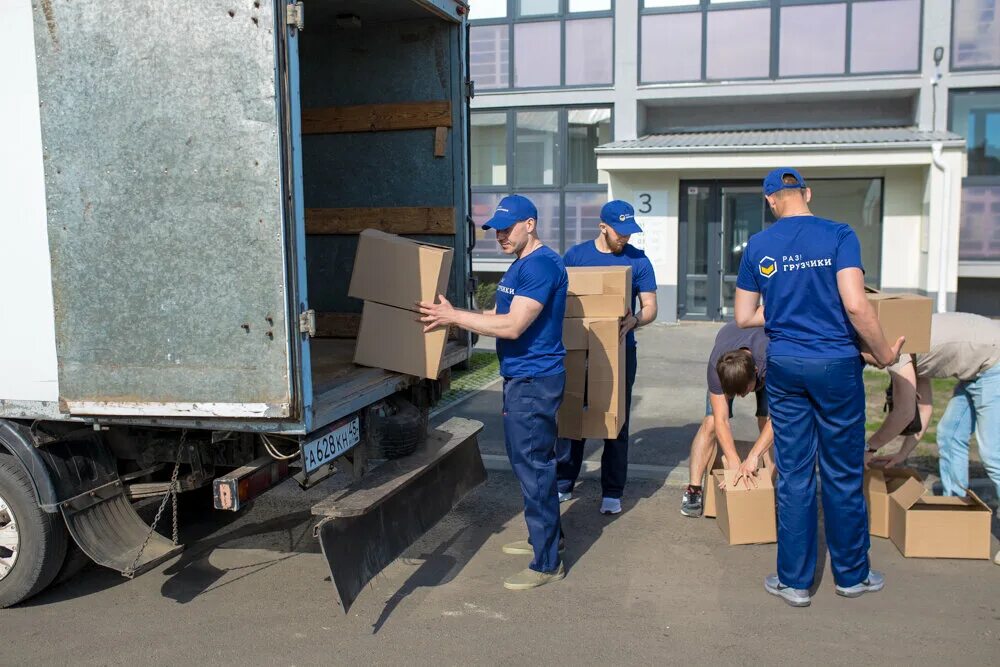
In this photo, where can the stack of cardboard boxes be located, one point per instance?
(594, 400)
(392, 274)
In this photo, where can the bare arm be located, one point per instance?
(851, 285)
(523, 311)
(746, 309)
(904, 394)
(645, 315)
(925, 405)
(723, 432)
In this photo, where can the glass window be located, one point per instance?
(871, 50)
(975, 40)
(537, 53)
(535, 152)
(483, 206)
(670, 3)
(583, 215)
(588, 129)
(739, 44)
(538, 7)
(589, 5)
(489, 149)
(858, 202)
(547, 204)
(812, 40)
(671, 47)
(976, 116)
(489, 50)
(487, 9)
(588, 52)
(979, 227)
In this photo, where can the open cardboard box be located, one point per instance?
(880, 484)
(747, 515)
(927, 526)
(709, 490)
(903, 315)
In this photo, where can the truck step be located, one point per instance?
(379, 517)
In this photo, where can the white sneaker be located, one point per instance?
(564, 497)
(611, 506)
(997, 559)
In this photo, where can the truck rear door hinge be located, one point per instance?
(307, 322)
(470, 88)
(295, 16)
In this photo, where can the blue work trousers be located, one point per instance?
(614, 458)
(817, 409)
(529, 423)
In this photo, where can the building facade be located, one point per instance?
(891, 108)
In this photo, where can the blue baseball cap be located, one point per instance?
(510, 211)
(776, 181)
(620, 216)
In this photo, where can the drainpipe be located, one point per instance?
(936, 159)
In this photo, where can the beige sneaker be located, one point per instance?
(523, 548)
(997, 558)
(529, 578)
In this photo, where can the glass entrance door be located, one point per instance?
(717, 219)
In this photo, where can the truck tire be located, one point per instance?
(398, 429)
(32, 543)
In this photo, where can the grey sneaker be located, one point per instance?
(797, 597)
(874, 583)
(611, 506)
(523, 548)
(565, 497)
(529, 578)
(691, 503)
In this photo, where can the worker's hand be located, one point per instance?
(436, 315)
(747, 472)
(894, 353)
(869, 358)
(629, 322)
(888, 461)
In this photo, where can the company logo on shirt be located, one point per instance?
(505, 289)
(795, 263)
(767, 266)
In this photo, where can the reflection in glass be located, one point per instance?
(583, 215)
(588, 52)
(588, 129)
(535, 152)
(489, 149)
(975, 40)
(489, 50)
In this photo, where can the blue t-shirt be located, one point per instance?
(793, 265)
(643, 278)
(539, 351)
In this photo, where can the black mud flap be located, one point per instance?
(107, 529)
(371, 525)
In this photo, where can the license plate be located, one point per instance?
(325, 448)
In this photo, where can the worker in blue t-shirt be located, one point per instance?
(808, 271)
(611, 248)
(527, 323)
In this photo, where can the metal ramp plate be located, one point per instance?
(111, 533)
(384, 513)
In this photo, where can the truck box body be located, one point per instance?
(182, 189)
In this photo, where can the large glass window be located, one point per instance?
(739, 44)
(489, 149)
(489, 56)
(858, 202)
(975, 37)
(761, 39)
(535, 151)
(549, 159)
(976, 116)
(813, 40)
(542, 43)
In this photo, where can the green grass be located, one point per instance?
(483, 370)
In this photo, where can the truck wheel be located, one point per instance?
(32, 543)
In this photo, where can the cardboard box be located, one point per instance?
(595, 406)
(397, 271)
(576, 372)
(590, 280)
(880, 483)
(747, 516)
(595, 305)
(904, 315)
(576, 332)
(393, 339)
(709, 490)
(926, 526)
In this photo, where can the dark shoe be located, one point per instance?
(691, 503)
